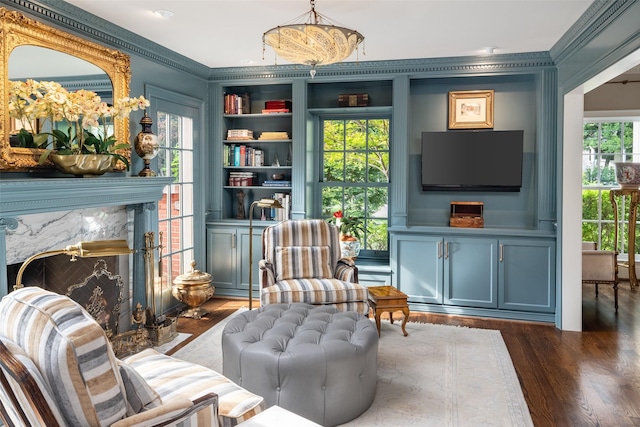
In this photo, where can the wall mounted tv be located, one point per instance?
(472, 160)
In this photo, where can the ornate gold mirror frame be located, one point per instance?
(17, 30)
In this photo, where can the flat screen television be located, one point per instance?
(472, 160)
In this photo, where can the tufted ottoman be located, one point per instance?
(315, 361)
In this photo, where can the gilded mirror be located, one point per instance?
(17, 30)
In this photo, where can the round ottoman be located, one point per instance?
(315, 361)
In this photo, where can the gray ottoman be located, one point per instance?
(315, 361)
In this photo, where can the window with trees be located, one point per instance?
(355, 177)
(604, 143)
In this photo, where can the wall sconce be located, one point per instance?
(97, 248)
(262, 203)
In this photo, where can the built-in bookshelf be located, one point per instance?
(257, 149)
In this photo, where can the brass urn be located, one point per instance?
(193, 289)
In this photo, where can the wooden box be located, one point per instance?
(467, 214)
(353, 100)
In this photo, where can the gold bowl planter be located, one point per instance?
(87, 165)
(193, 289)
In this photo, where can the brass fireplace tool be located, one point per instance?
(161, 328)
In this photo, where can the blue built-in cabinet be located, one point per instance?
(442, 269)
(451, 272)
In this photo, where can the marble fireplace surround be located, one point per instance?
(50, 213)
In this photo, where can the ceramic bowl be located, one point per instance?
(628, 174)
(277, 176)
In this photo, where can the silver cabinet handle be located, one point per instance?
(446, 250)
(439, 250)
(233, 240)
(501, 253)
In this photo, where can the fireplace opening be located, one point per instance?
(100, 285)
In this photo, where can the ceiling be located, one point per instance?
(228, 33)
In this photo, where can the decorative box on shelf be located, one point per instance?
(467, 214)
(353, 100)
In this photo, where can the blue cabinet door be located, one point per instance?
(527, 275)
(221, 256)
(470, 272)
(419, 273)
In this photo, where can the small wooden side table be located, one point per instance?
(389, 299)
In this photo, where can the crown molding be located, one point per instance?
(71, 18)
(592, 21)
(449, 67)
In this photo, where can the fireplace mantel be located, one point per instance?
(20, 197)
(28, 196)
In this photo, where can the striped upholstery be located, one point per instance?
(140, 396)
(340, 289)
(70, 350)
(172, 377)
(23, 400)
(311, 262)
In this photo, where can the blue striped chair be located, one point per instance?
(302, 262)
(57, 368)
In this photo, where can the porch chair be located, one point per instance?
(600, 266)
(302, 262)
(57, 368)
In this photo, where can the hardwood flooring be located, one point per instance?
(572, 379)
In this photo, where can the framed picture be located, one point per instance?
(471, 109)
(15, 125)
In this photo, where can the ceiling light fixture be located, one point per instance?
(163, 13)
(489, 50)
(314, 41)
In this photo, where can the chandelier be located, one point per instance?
(314, 41)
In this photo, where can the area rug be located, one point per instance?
(437, 376)
(168, 346)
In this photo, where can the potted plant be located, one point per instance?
(351, 229)
(75, 126)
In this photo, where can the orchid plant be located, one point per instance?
(79, 121)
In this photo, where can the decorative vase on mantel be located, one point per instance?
(84, 165)
(147, 145)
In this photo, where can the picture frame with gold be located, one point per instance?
(471, 109)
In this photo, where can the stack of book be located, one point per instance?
(242, 155)
(278, 106)
(241, 179)
(237, 104)
(274, 135)
(239, 134)
(274, 183)
(285, 212)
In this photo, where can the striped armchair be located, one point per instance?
(57, 368)
(302, 263)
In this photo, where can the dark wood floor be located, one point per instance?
(589, 378)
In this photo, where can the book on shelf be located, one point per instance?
(243, 155)
(275, 110)
(285, 212)
(269, 183)
(242, 179)
(237, 104)
(239, 134)
(273, 135)
(278, 104)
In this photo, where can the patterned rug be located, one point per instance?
(437, 376)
